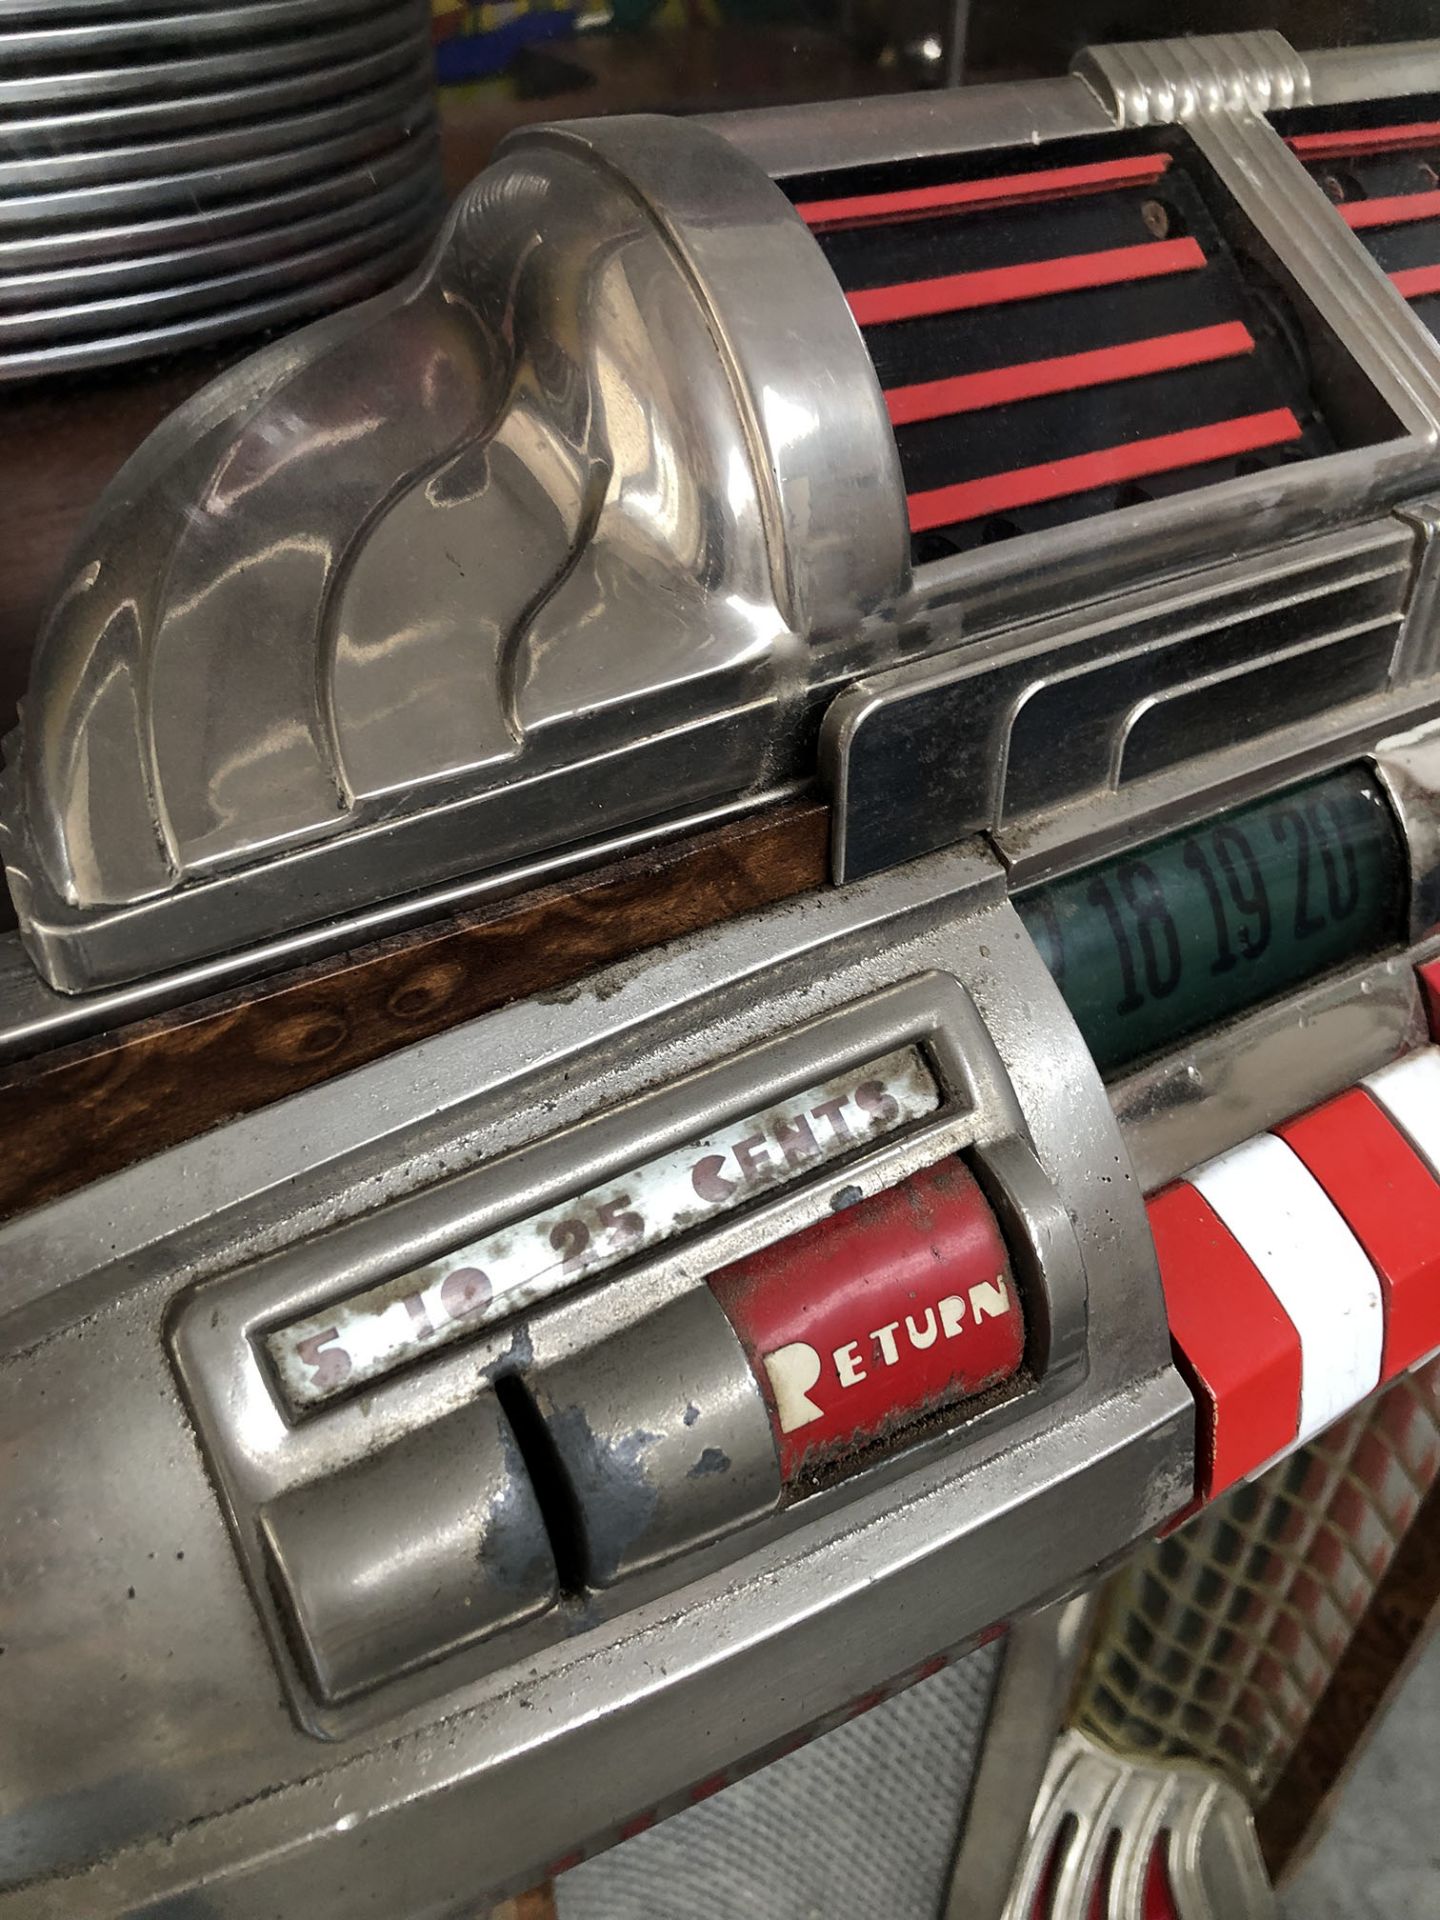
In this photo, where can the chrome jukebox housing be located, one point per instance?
(554, 537)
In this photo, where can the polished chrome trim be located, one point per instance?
(879, 130)
(1222, 1087)
(1342, 75)
(1408, 765)
(1039, 1663)
(1148, 83)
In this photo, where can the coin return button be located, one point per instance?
(887, 1312)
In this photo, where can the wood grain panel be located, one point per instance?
(70, 1116)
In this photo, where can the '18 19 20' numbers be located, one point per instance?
(1231, 873)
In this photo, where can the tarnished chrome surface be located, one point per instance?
(697, 1461)
(862, 133)
(1418, 657)
(200, 329)
(43, 247)
(76, 121)
(86, 304)
(572, 539)
(1409, 768)
(183, 278)
(1060, 732)
(262, 1449)
(369, 1334)
(1039, 1661)
(477, 1780)
(171, 188)
(1219, 1089)
(208, 145)
(92, 81)
(52, 29)
(1342, 74)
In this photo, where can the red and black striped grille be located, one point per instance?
(1056, 340)
(1385, 182)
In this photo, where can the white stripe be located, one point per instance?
(1314, 1265)
(1409, 1091)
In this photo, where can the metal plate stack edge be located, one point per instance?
(171, 179)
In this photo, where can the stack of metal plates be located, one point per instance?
(176, 171)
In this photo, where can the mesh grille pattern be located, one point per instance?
(1217, 1642)
(860, 1823)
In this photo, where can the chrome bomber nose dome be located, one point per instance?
(551, 539)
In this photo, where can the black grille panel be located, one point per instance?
(1383, 174)
(1057, 336)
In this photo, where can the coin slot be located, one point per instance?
(552, 1487)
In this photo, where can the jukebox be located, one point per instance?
(728, 929)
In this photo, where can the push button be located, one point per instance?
(894, 1308)
(423, 1548)
(661, 1439)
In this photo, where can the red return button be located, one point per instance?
(886, 1311)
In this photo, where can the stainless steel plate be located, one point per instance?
(248, 107)
(51, 246)
(221, 146)
(99, 317)
(26, 296)
(136, 343)
(92, 27)
(86, 81)
(175, 186)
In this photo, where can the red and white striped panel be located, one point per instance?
(1302, 1268)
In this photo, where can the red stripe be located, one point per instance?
(1007, 190)
(1391, 1203)
(992, 286)
(1025, 486)
(1321, 146)
(1413, 281)
(1233, 1341)
(968, 392)
(1391, 210)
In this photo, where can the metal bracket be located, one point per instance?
(1152, 83)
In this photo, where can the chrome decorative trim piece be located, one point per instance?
(1418, 655)
(1340, 76)
(1009, 734)
(621, 512)
(1409, 768)
(1355, 304)
(558, 576)
(1222, 1087)
(1198, 1672)
(1106, 1828)
(909, 126)
(1039, 1663)
(477, 1769)
(1148, 83)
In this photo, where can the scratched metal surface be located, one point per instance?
(859, 1824)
